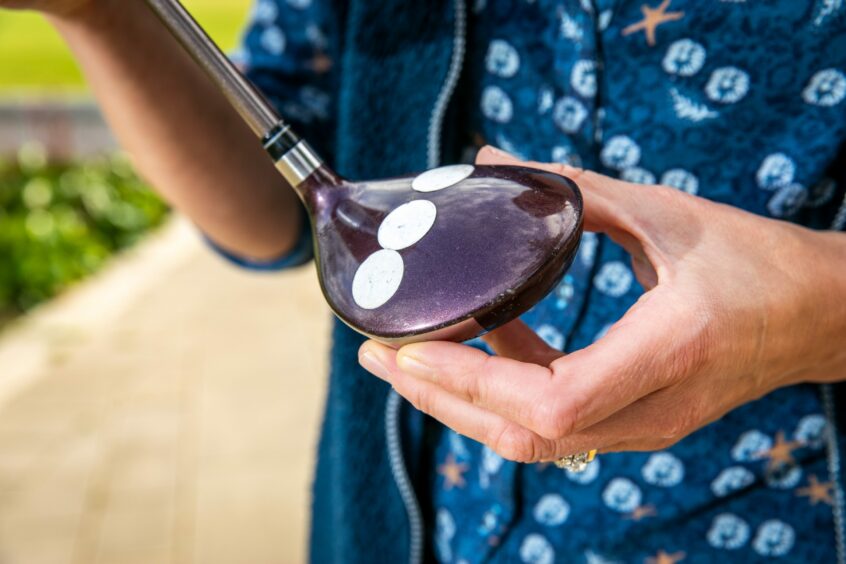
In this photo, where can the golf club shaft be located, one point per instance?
(252, 106)
(294, 158)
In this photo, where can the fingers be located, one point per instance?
(505, 437)
(628, 213)
(510, 388)
(517, 341)
(653, 422)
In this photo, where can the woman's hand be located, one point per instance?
(52, 7)
(736, 306)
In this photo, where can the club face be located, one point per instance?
(446, 256)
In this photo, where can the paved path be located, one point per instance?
(66, 127)
(166, 412)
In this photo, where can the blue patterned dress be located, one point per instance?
(741, 102)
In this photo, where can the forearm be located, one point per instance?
(183, 135)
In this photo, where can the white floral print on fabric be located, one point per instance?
(787, 200)
(535, 549)
(731, 479)
(727, 85)
(826, 88)
(564, 292)
(551, 510)
(826, 9)
(680, 179)
(491, 464)
(637, 175)
(728, 531)
(265, 12)
(620, 152)
(687, 108)
(614, 279)
(622, 495)
(444, 532)
(774, 538)
(546, 99)
(776, 170)
(551, 336)
(565, 155)
(457, 446)
(502, 59)
(583, 78)
(663, 469)
(684, 57)
(587, 248)
(783, 477)
(496, 105)
(273, 41)
(810, 431)
(750, 445)
(605, 18)
(569, 114)
(570, 28)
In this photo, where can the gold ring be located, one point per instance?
(576, 462)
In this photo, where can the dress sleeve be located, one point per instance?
(288, 51)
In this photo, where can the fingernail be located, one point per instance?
(370, 362)
(415, 366)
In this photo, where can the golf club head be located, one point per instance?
(445, 255)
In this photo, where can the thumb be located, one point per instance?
(630, 214)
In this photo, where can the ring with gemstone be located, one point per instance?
(576, 462)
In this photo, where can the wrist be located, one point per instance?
(825, 308)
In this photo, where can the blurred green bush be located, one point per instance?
(61, 221)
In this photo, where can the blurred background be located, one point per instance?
(156, 405)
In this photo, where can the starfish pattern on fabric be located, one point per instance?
(453, 472)
(652, 18)
(641, 512)
(665, 558)
(781, 453)
(321, 63)
(817, 491)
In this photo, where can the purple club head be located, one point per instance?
(447, 255)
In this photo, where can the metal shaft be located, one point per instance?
(252, 106)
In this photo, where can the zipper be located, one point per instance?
(400, 474)
(837, 508)
(833, 451)
(436, 120)
(840, 217)
(394, 402)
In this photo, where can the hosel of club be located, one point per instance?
(294, 158)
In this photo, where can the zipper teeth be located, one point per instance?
(439, 110)
(398, 469)
(840, 218)
(834, 473)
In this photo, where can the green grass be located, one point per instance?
(33, 57)
(59, 222)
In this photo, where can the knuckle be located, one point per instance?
(680, 425)
(422, 399)
(475, 385)
(513, 443)
(553, 419)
